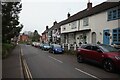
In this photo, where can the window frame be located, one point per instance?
(117, 33)
(113, 14)
(86, 21)
(74, 25)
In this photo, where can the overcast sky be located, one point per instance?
(37, 14)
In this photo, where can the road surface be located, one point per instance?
(43, 64)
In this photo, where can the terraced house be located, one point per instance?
(98, 24)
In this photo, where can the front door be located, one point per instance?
(106, 37)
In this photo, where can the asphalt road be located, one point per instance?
(43, 64)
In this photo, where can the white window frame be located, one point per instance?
(86, 21)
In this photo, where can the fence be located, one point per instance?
(70, 48)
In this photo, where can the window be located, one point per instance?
(114, 14)
(95, 48)
(118, 13)
(85, 22)
(116, 36)
(109, 15)
(63, 28)
(73, 25)
(88, 47)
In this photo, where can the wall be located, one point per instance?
(99, 22)
(68, 27)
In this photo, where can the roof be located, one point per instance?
(45, 31)
(94, 10)
(87, 12)
(78, 31)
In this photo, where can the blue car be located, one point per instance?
(46, 46)
(55, 48)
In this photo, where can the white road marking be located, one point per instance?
(88, 74)
(55, 59)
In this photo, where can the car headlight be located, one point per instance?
(117, 57)
(56, 49)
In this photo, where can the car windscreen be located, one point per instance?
(57, 46)
(108, 48)
(46, 44)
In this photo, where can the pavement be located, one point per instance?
(11, 66)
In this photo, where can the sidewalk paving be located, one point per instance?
(11, 66)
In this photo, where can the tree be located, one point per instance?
(36, 36)
(11, 27)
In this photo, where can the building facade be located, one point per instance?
(24, 38)
(99, 24)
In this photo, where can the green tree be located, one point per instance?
(36, 36)
(11, 27)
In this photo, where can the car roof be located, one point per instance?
(93, 44)
(54, 44)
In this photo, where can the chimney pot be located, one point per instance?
(89, 5)
(68, 15)
(55, 23)
(46, 27)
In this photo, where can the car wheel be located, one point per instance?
(53, 52)
(108, 66)
(80, 58)
(49, 51)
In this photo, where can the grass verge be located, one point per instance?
(6, 49)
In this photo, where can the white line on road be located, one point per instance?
(88, 74)
(55, 59)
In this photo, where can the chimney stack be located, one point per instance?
(46, 27)
(89, 5)
(68, 15)
(55, 23)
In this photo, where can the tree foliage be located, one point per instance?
(11, 26)
(36, 36)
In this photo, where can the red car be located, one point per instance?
(106, 55)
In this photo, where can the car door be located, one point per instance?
(96, 54)
(87, 52)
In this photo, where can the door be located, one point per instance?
(94, 38)
(106, 37)
(87, 52)
(95, 55)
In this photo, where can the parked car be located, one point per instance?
(105, 55)
(45, 46)
(41, 46)
(35, 44)
(55, 48)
